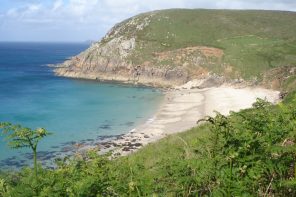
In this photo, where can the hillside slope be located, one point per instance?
(171, 47)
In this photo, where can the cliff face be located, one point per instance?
(109, 59)
(171, 47)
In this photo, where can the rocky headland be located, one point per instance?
(109, 59)
(208, 60)
(171, 47)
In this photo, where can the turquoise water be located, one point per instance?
(76, 111)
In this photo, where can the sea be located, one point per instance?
(74, 111)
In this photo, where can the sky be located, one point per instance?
(82, 20)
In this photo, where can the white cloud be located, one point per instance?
(80, 7)
(57, 4)
(24, 12)
(33, 7)
(90, 19)
(11, 13)
(289, 5)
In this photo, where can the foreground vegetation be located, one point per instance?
(249, 153)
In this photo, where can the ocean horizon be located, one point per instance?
(75, 111)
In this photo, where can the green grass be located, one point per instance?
(156, 161)
(170, 148)
(290, 84)
(183, 161)
(253, 41)
(251, 152)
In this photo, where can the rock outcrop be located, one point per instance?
(171, 47)
(111, 59)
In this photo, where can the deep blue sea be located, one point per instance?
(75, 111)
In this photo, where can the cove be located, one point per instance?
(75, 111)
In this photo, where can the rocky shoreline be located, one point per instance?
(126, 77)
(180, 110)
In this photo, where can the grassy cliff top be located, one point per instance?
(250, 42)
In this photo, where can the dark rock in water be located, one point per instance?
(11, 163)
(68, 143)
(133, 140)
(129, 124)
(104, 137)
(146, 136)
(13, 157)
(48, 157)
(105, 126)
(28, 156)
(55, 147)
(66, 149)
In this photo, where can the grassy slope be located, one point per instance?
(168, 160)
(156, 161)
(253, 41)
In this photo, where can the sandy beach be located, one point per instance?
(180, 110)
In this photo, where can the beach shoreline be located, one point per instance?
(181, 108)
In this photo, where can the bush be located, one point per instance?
(248, 153)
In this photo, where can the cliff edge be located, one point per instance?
(172, 47)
